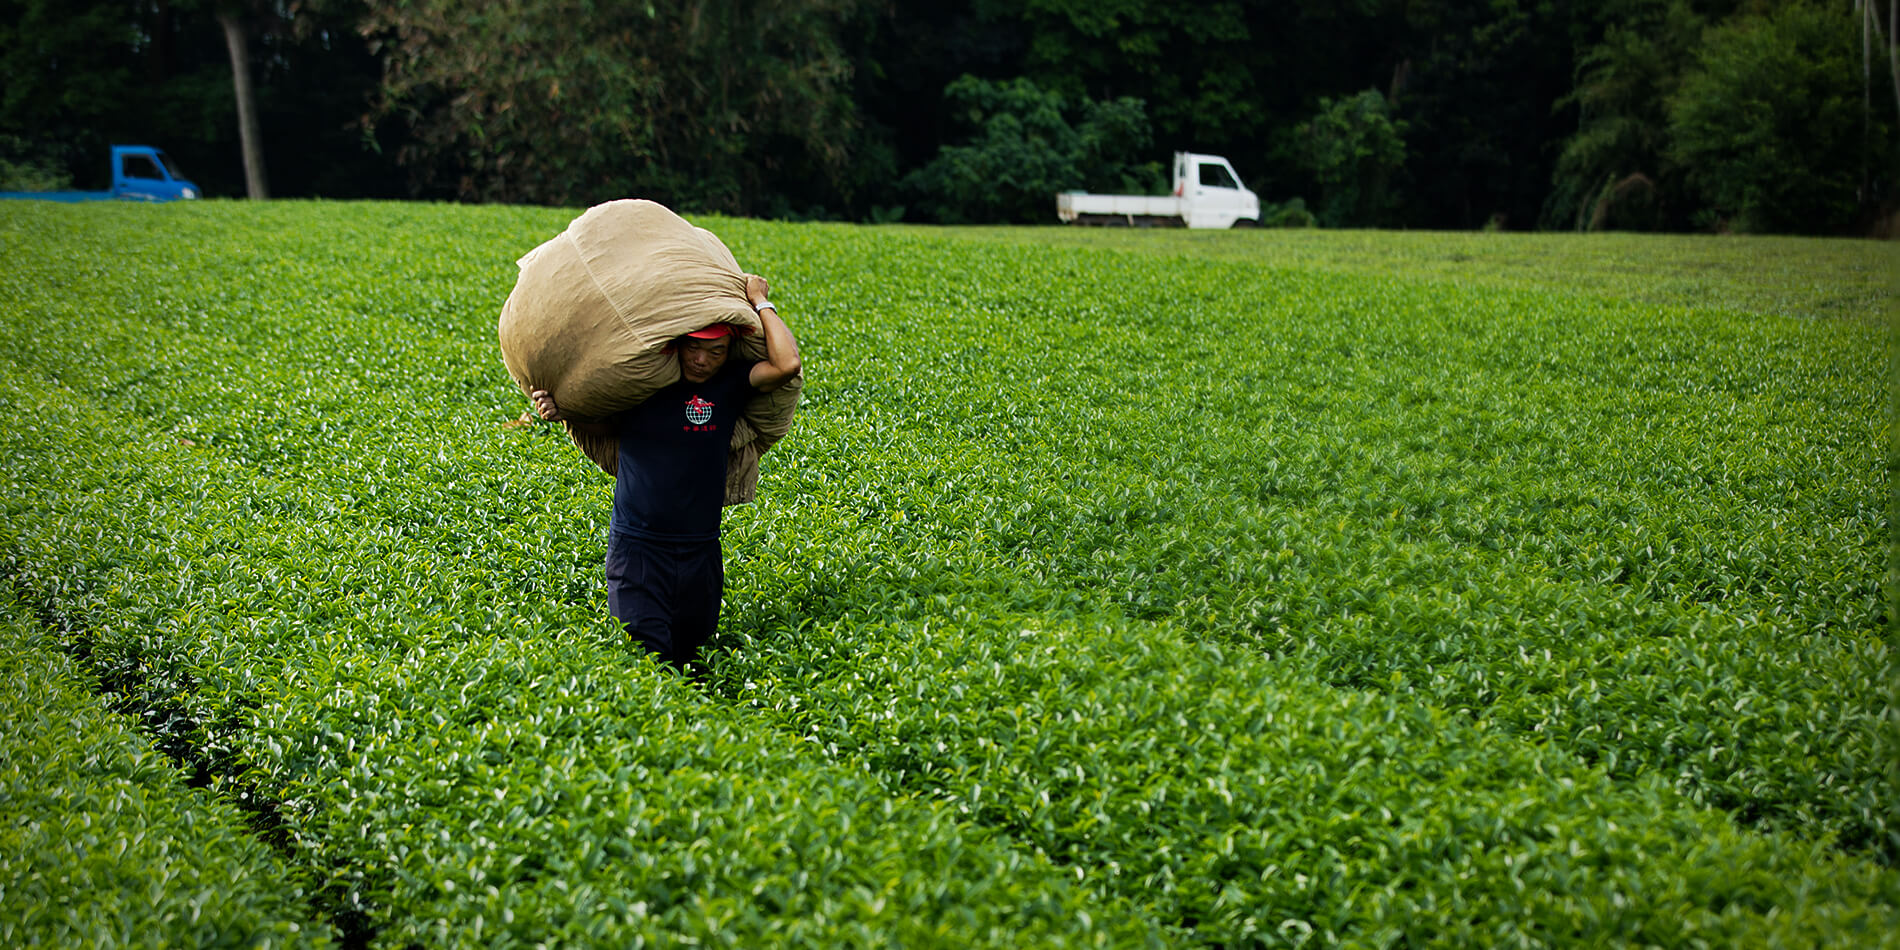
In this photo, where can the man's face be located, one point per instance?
(700, 359)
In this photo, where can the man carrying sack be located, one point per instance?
(673, 373)
(665, 567)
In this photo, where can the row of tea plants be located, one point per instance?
(105, 845)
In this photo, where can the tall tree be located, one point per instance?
(250, 138)
(1888, 39)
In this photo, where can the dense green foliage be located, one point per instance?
(1615, 172)
(28, 173)
(1622, 114)
(1199, 589)
(1026, 144)
(573, 101)
(1737, 116)
(1772, 123)
(1353, 148)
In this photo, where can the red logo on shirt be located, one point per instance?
(698, 410)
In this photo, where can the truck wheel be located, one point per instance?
(1246, 223)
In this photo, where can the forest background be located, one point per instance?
(1682, 115)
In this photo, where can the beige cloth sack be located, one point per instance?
(596, 307)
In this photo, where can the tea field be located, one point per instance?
(1112, 590)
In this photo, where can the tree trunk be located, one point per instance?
(1893, 46)
(248, 135)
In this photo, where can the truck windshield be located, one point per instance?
(171, 166)
(1217, 176)
(140, 166)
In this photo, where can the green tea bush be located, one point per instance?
(1182, 592)
(104, 845)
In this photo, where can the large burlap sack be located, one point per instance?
(595, 309)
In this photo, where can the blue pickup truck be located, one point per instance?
(139, 173)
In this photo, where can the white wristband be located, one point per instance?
(763, 305)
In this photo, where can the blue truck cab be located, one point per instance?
(139, 173)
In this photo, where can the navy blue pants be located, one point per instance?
(667, 593)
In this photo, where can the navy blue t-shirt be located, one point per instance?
(672, 478)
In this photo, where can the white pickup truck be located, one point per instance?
(1207, 194)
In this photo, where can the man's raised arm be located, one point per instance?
(781, 349)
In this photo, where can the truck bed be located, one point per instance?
(1074, 205)
(67, 196)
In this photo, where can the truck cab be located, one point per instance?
(143, 173)
(1211, 193)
